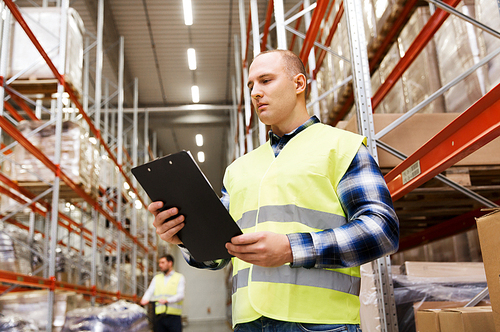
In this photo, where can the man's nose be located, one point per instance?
(256, 92)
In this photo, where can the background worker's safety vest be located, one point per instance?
(293, 193)
(162, 291)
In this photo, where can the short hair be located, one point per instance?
(168, 257)
(292, 63)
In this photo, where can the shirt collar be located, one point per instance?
(275, 138)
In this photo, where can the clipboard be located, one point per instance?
(177, 181)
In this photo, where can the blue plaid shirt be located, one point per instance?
(372, 230)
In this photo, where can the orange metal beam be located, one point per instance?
(474, 128)
(52, 284)
(312, 32)
(442, 230)
(329, 39)
(269, 15)
(13, 111)
(19, 101)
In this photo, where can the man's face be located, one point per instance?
(272, 89)
(165, 265)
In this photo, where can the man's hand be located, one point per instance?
(144, 302)
(261, 248)
(162, 301)
(167, 230)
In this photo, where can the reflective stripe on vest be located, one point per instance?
(294, 192)
(291, 213)
(162, 291)
(328, 279)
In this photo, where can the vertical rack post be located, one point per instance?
(362, 94)
(279, 17)
(240, 120)
(3, 58)
(256, 50)
(135, 143)
(246, 92)
(57, 160)
(119, 158)
(312, 65)
(145, 262)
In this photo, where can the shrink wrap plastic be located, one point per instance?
(17, 324)
(412, 293)
(45, 23)
(33, 304)
(456, 47)
(119, 316)
(79, 156)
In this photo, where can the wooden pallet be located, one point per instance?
(65, 192)
(435, 202)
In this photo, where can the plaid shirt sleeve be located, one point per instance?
(372, 230)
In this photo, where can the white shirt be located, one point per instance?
(179, 296)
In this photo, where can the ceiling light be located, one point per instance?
(201, 156)
(199, 139)
(191, 58)
(188, 12)
(195, 93)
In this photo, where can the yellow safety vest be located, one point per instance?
(293, 193)
(162, 291)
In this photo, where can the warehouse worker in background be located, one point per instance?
(167, 292)
(313, 206)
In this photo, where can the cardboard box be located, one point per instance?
(453, 271)
(470, 319)
(428, 320)
(426, 313)
(488, 228)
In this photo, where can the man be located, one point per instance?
(313, 206)
(167, 292)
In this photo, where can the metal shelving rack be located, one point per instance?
(474, 128)
(108, 206)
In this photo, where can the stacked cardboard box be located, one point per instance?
(459, 319)
(488, 228)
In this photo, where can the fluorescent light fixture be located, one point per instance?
(126, 185)
(191, 58)
(195, 93)
(199, 139)
(138, 204)
(188, 12)
(201, 156)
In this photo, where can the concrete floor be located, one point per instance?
(208, 326)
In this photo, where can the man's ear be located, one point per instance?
(300, 83)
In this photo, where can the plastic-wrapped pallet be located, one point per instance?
(421, 79)
(458, 49)
(15, 253)
(119, 316)
(34, 304)
(17, 324)
(487, 12)
(45, 22)
(79, 156)
(395, 100)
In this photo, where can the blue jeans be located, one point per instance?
(264, 324)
